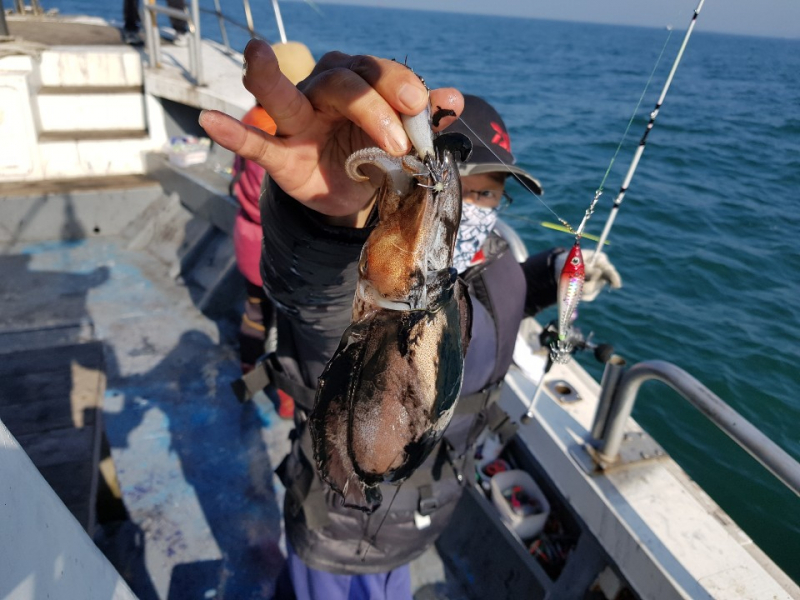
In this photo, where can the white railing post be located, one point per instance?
(197, 47)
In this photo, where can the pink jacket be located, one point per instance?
(247, 228)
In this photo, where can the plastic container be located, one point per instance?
(522, 505)
(489, 448)
(188, 150)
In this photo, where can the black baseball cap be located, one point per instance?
(491, 144)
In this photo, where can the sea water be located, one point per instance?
(705, 239)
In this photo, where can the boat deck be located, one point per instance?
(59, 31)
(194, 466)
(52, 398)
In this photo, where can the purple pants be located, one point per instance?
(311, 584)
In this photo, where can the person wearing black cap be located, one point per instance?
(483, 178)
(315, 221)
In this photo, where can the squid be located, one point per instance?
(386, 396)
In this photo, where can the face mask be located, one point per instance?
(476, 223)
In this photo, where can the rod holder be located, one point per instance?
(615, 368)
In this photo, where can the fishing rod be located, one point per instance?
(640, 149)
(570, 284)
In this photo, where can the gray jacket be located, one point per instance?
(309, 271)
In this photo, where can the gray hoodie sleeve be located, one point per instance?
(309, 270)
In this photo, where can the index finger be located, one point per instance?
(402, 88)
(288, 107)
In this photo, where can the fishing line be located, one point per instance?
(519, 179)
(635, 110)
(640, 149)
(599, 191)
(363, 536)
(579, 232)
(372, 539)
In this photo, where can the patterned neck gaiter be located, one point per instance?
(476, 224)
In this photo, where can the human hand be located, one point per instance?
(599, 274)
(347, 103)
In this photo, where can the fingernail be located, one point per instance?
(398, 138)
(410, 95)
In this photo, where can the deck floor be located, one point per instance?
(50, 400)
(195, 467)
(58, 31)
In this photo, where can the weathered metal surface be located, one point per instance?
(195, 466)
(87, 207)
(45, 553)
(58, 31)
(50, 401)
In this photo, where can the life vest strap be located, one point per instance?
(265, 373)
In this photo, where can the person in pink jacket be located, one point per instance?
(296, 63)
(246, 186)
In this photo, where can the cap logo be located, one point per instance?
(501, 137)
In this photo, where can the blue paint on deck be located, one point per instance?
(188, 451)
(192, 462)
(265, 409)
(51, 246)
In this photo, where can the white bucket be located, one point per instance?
(188, 150)
(527, 511)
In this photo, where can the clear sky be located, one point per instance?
(773, 18)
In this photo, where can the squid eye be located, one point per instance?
(575, 261)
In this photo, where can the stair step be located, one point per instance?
(92, 154)
(55, 90)
(83, 135)
(93, 112)
(95, 66)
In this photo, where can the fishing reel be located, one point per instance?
(575, 342)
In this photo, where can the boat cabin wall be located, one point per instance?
(54, 211)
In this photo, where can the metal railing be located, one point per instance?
(194, 37)
(153, 36)
(620, 387)
(36, 7)
(222, 19)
